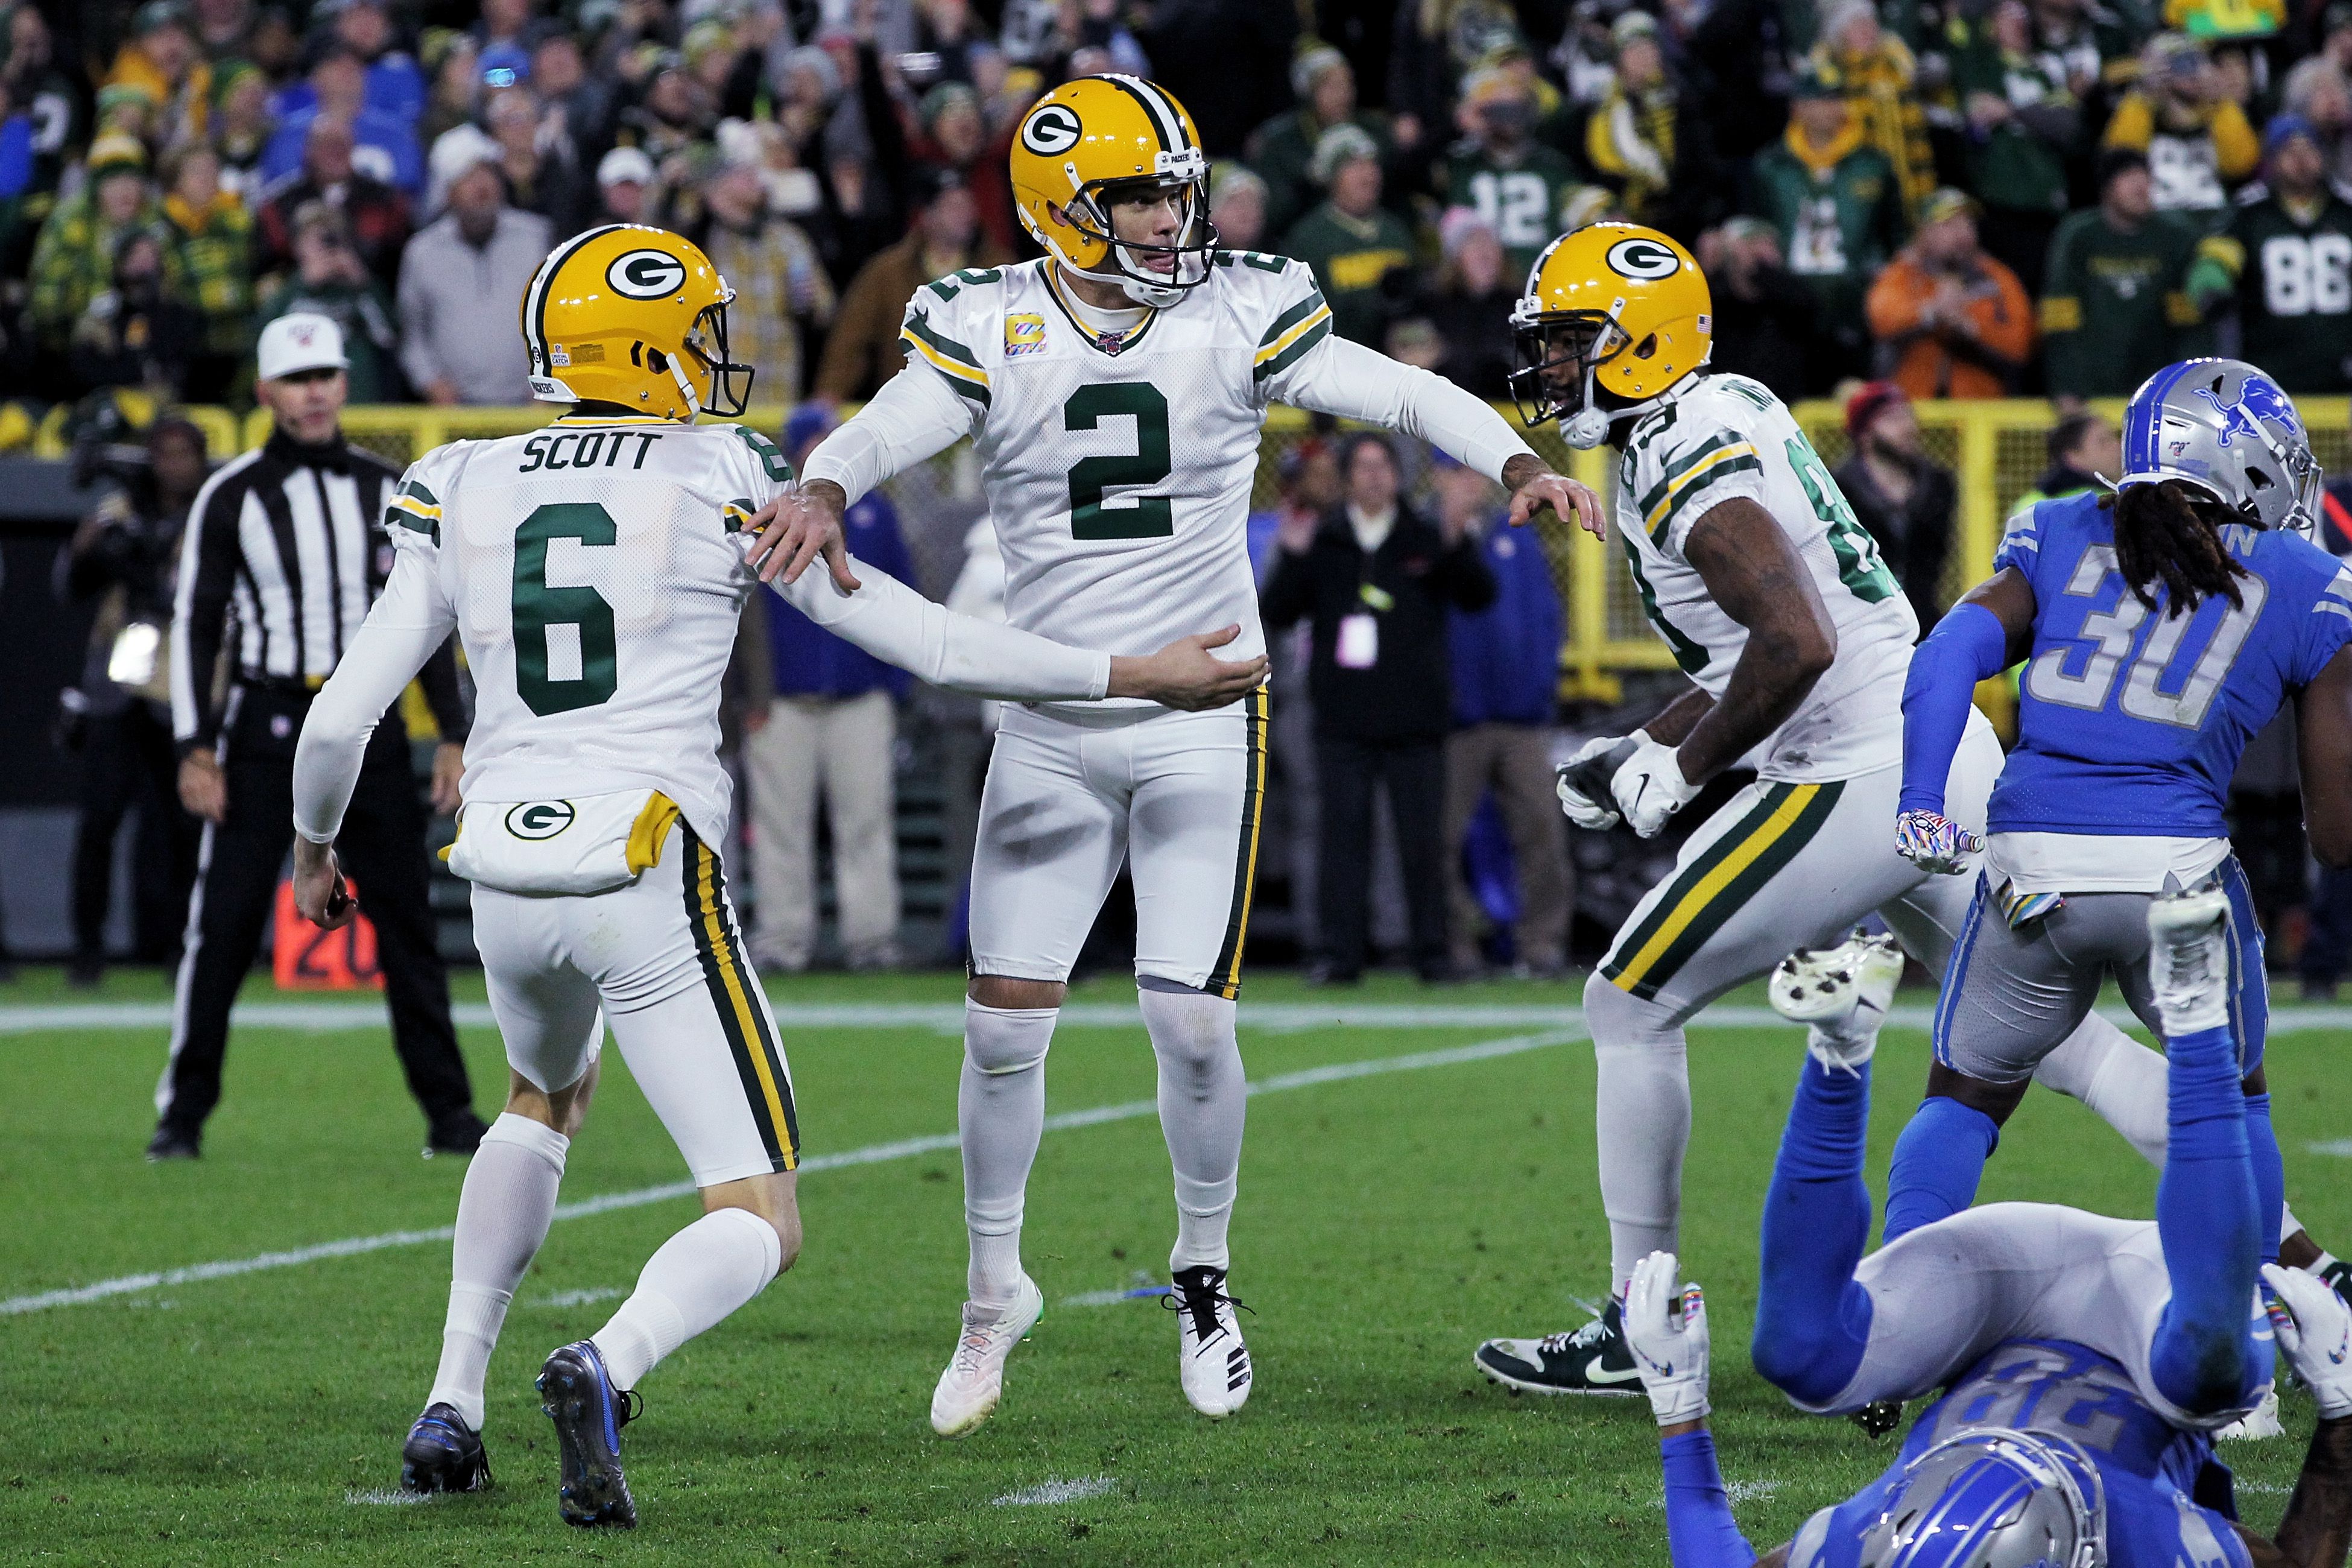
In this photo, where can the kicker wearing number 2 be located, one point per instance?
(1755, 572)
(1115, 391)
(596, 572)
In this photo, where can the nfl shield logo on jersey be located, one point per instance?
(1023, 334)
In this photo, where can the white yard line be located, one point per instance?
(947, 1017)
(1047, 1494)
(873, 1153)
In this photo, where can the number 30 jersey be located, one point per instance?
(1726, 436)
(2131, 721)
(1119, 481)
(597, 569)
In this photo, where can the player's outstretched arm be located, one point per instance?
(1665, 1323)
(408, 624)
(2314, 1332)
(2324, 732)
(1984, 634)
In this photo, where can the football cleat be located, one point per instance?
(1878, 1417)
(974, 1380)
(2189, 959)
(1211, 1359)
(2255, 1424)
(443, 1453)
(1842, 991)
(172, 1142)
(1593, 1360)
(578, 1395)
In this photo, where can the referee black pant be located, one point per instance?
(382, 849)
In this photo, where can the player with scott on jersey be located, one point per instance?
(595, 572)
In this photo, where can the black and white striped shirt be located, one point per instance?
(290, 539)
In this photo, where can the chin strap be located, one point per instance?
(677, 371)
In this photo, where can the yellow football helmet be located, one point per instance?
(1612, 308)
(1096, 141)
(634, 316)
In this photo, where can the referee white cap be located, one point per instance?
(291, 344)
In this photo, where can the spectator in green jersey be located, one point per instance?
(1360, 252)
(2022, 124)
(1281, 149)
(2287, 259)
(1512, 181)
(1833, 202)
(2114, 301)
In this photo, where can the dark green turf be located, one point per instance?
(1386, 1225)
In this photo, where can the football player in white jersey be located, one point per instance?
(1115, 390)
(595, 570)
(1753, 569)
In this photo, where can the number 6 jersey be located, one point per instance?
(1725, 437)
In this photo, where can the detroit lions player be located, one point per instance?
(2165, 624)
(2086, 1362)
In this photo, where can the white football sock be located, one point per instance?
(1643, 1117)
(503, 1212)
(698, 1277)
(1203, 1103)
(1001, 1118)
(2115, 1075)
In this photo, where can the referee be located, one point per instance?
(286, 546)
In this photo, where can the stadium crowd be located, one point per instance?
(1973, 198)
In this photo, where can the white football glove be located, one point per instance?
(1935, 842)
(2314, 1329)
(1650, 786)
(1666, 1328)
(1583, 779)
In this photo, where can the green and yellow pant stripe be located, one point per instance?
(742, 1013)
(1717, 883)
(1225, 976)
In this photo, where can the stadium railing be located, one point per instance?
(1995, 448)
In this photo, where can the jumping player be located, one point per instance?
(1114, 391)
(595, 572)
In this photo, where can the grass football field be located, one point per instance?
(1419, 1174)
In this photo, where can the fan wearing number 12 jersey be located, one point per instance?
(1755, 573)
(1114, 391)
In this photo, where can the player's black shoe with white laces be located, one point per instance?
(1211, 1359)
(578, 1395)
(1594, 1360)
(443, 1453)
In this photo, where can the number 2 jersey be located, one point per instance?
(2131, 722)
(2169, 1500)
(1726, 436)
(1119, 481)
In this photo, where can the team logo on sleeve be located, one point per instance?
(646, 274)
(1052, 130)
(1023, 334)
(1643, 259)
(538, 819)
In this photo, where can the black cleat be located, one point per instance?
(1594, 1360)
(443, 1453)
(578, 1395)
(459, 1132)
(1878, 1417)
(172, 1142)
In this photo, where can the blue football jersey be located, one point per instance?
(2169, 1502)
(2130, 720)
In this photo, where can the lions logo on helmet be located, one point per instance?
(2225, 429)
(636, 317)
(1612, 308)
(1094, 143)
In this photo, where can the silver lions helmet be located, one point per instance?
(1992, 1498)
(2221, 426)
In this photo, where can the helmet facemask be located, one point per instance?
(1190, 254)
(1560, 357)
(706, 341)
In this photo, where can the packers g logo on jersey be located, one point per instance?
(1643, 258)
(538, 819)
(1054, 129)
(646, 274)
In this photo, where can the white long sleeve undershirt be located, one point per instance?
(884, 616)
(916, 416)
